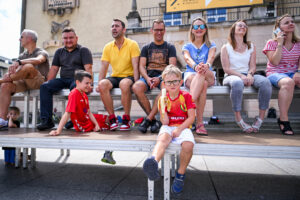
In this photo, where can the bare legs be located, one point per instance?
(27, 71)
(198, 84)
(185, 154)
(105, 87)
(285, 97)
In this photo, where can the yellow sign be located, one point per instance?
(183, 5)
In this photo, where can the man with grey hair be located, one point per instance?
(28, 72)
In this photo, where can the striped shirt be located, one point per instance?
(289, 62)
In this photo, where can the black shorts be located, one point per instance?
(115, 81)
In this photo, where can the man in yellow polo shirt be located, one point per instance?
(123, 55)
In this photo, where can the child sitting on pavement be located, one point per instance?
(78, 109)
(12, 116)
(177, 117)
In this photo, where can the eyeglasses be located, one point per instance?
(196, 27)
(242, 26)
(174, 82)
(158, 30)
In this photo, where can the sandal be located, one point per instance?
(286, 127)
(200, 130)
(244, 126)
(257, 124)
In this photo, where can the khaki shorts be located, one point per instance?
(29, 84)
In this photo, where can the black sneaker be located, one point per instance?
(155, 126)
(69, 125)
(4, 128)
(45, 124)
(144, 125)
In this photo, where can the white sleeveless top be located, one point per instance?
(239, 61)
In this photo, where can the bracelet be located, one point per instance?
(251, 73)
(19, 61)
(194, 66)
(209, 65)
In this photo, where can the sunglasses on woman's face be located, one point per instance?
(196, 27)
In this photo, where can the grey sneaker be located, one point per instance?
(108, 158)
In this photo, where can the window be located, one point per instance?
(172, 19)
(216, 15)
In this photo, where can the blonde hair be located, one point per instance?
(231, 38)
(171, 69)
(295, 36)
(206, 38)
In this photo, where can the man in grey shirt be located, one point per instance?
(68, 59)
(27, 73)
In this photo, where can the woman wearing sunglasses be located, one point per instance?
(283, 68)
(199, 55)
(238, 59)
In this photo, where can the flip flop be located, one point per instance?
(200, 130)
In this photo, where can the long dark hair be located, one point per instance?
(231, 38)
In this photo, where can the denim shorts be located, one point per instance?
(276, 77)
(144, 81)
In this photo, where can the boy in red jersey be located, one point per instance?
(78, 108)
(178, 117)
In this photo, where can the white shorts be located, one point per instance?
(185, 136)
(187, 74)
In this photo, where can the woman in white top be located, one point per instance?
(238, 59)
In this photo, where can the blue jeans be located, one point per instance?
(237, 86)
(47, 90)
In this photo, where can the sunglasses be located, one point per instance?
(174, 82)
(242, 26)
(196, 27)
(158, 30)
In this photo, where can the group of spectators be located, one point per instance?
(156, 63)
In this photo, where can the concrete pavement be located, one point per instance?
(83, 176)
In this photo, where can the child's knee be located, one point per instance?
(187, 146)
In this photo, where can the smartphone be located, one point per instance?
(276, 31)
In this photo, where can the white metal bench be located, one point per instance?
(216, 144)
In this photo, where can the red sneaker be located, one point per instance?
(113, 123)
(126, 123)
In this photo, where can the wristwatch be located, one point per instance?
(251, 73)
(19, 61)
(209, 65)
(194, 66)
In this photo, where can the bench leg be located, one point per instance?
(26, 110)
(162, 167)
(150, 189)
(150, 185)
(17, 157)
(177, 160)
(61, 152)
(25, 154)
(34, 111)
(68, 152)
(173, 165)
(33, 157)
(166, 176)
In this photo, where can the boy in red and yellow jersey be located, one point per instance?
(78, 108)
(177, 116)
